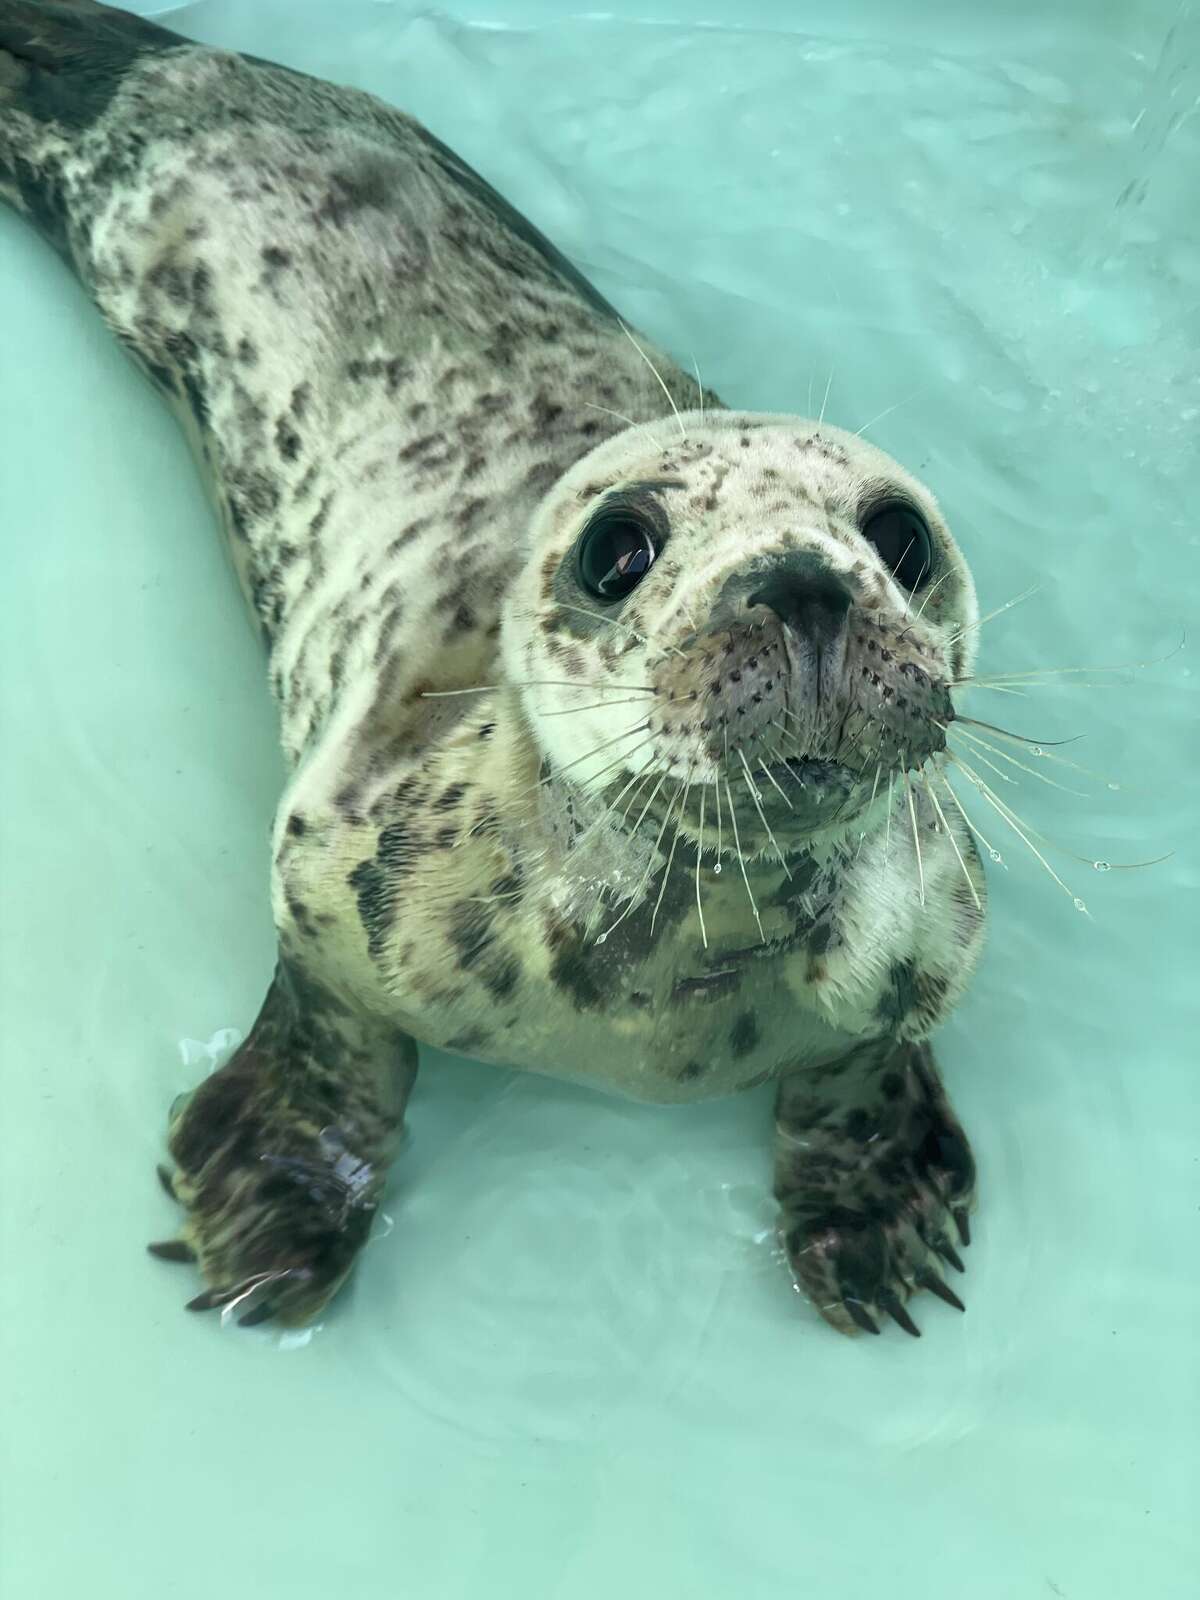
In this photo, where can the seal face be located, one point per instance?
(615, 744)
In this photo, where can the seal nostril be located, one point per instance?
(813, 605)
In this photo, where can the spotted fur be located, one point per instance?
(403, 398)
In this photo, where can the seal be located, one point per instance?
(615, 718)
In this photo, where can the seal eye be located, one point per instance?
(903, 541)
(615, 554)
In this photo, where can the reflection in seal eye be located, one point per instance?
(901, 536)
(615, 554)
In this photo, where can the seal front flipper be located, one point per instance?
(875, 1180)
(282, 1155)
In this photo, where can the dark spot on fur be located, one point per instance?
(287, 440)
(297, 826)
(574, 973)
(859, 1125)
(450, 797)
(501, 980)
(470, 932)
(322, 512)
(275, 257)
(900, 995)
(743, 1036)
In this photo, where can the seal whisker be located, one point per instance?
(699, 385)
(594, 751)
(953, 841)
(1005, 777)
(661, 380)
(999, 611)
(535, 683)
(612, 622)
(595, 705)
(774, 784)
(662, 888)
(1059, 672)
(640, 779)
(699, 854)
(635, 897)
(1012, 760)
(916, 832)
(1018, 686)
(993, 853)
(737, 845)
(930, 592)
(633, 799)
(825, 399)
(874, 790)
(1019, 738)
(887, 845)
(886, 412)
(1089, 861)
(1015, 823)
(620, 415)
(717, 797)
(761, 813)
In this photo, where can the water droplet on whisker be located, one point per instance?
(1079, 905)
(1102, 866)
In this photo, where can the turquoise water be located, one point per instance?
(575, 1364)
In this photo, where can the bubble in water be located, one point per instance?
(1102, 866)
(1114, 786)
(995, 855)
(1079, 905)
(717, 870)
(1036, 750)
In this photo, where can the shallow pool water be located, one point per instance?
(575, 1365)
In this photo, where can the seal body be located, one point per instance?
(613, 716)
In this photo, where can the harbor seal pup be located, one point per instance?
(614, 717)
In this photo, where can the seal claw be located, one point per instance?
(861, 1315)
(935, 1285)
(962, 1222)
(948, 1253)
(894, 1307)
(210, 1300)
(172, 1250)
(167, 1181)
(262, 1313)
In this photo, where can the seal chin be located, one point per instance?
(809, 774)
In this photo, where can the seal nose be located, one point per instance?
(812, 601)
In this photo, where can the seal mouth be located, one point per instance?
(807, 771)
